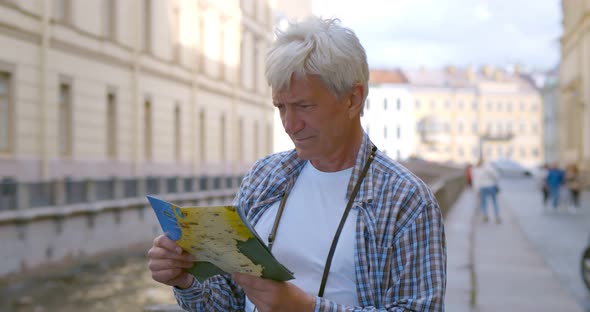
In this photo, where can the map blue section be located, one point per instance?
(165, 213)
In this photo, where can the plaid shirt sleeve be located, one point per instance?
(218, 293)
(417, 269)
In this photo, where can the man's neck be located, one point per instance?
(343, 158)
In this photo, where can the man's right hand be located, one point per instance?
(168, 262)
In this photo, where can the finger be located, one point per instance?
(161, 253)
(163, 241)
(165, 276)
(253, 282)
(164, 264)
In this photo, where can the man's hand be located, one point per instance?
(268, 295)
(168, 262)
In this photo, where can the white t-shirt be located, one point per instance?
(310, 218)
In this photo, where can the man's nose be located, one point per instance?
(292, 121)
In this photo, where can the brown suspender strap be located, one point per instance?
(273, 233)
(343, 220)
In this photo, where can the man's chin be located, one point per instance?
(301, 153)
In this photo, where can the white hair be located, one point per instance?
(320, 47)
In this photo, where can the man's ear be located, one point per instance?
(355, 100)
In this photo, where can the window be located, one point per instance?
(111, 140)
(474, 127)
(432, 104)
(65, 119)
(489, 106)
(240, 149)
(499, 106)
(474, 105)
(110, 19)
(384, 104)
(256, 134)
(177, 133)
(399, 104)
(147, 129)
(398, 154)
(269, 138)
(447, 104)
(509, 107)
(417, 104)
(460, 127)
(385, 132)
(5, 113)
(460, 105)
(535, 152)
(202, 137)
(222, 134)
(368, 104)
(61, 10)
(398, 132)
(147, 25)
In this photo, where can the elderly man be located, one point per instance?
(358, 230)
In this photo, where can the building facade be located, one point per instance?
(388, 116)
(104, 88)
(574, 84)
(463, 115)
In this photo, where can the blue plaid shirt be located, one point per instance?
(400, 253)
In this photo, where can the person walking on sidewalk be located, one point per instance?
(335, 194)
(555, 178)
(485, 182)
(541, 178)
(572, 178)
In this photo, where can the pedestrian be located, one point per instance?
(468, 178)
(391, 253)
(486, 183)
(555, 179)
(541, 179)
(572, 178)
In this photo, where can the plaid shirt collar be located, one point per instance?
(292, 166)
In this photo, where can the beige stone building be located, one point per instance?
(101, 88)
(574, 80)
(462, 114)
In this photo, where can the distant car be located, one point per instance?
(510, 168)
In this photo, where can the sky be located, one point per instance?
(436, 33)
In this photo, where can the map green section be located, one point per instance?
(253, 250)
(259, 254)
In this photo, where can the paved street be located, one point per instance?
(529, 262)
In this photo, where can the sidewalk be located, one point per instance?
(494, 267)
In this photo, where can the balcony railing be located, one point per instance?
(24, 195)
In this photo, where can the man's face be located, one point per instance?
(318, 122)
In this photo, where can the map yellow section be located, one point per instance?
(219, 229)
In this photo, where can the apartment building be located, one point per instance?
(574, 84)
(462, 115)
(104, 88)
(388, 116)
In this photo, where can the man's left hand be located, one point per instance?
(268, 295)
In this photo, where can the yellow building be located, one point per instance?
(465, 114)
(102, 88)
(574, 80)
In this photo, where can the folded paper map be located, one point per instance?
(220, 239)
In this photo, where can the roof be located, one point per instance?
(382, 76)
